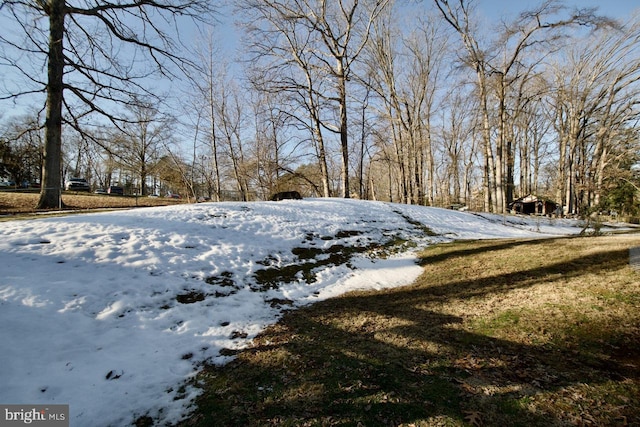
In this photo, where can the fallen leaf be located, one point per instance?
(474, 418)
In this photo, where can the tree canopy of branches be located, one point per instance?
(94, 53)
(301, 45)
(502, 71)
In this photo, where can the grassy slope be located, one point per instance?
(496, 333)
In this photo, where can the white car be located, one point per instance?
(77, 184)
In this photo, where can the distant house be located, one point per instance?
(533, 205)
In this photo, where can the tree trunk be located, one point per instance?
(501, 157)
(321, 154)
(562, 170)
(143, 180)
(570, 178)
(50, 193)
(214, 143)
(489, 198)
(363, 141)
(430, 165)
(344, 137)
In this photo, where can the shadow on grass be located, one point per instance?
(392, 358)
(475, 247)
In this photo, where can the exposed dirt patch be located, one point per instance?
(190, 297)
(311, 259)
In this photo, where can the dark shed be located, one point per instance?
(533, 205)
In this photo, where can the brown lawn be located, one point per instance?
(14, 203)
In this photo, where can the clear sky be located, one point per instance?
(619, 9)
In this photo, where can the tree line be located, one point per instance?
(425, 103)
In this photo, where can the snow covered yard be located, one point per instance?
(112, 313)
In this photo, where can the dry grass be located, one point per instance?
(23, 203)
(494, 333)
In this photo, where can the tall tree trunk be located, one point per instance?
(214, 143)
(525, 164)
(501, 152)
(430, 164)
(570, 177)
(562, 171)
(363, 142)
(400, 159)
(236, 171)
(50, 196)
(344, 136)
(489, 168)
(143, 180)
(322, 157)
(599, 181)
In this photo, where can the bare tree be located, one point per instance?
(140, 143)
(531, 134)
(21, 142)
(363, 149)
(406, 70)
(205, 82)
(283, 62)
(324, 39)
(344, 31)
(502, 64)
(230, 116)
(457, 121)
(86, 73)
(273, 148)
(460, 19)
(597, 87)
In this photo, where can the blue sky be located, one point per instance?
(619, 9)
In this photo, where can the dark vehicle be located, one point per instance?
(285, 195)
(76, 184)
(114, 189)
